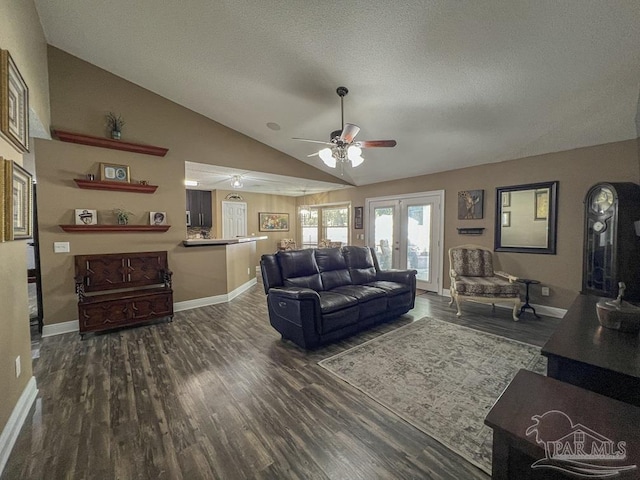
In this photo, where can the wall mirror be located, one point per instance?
(526, 218)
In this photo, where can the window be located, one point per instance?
(330, 222)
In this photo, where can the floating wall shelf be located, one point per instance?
(109, 143)
(114, 228)
(119, 186)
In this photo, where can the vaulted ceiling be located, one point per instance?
(456, 83)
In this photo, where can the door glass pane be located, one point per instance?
(309, 221)
(383, 236)
(419, 240)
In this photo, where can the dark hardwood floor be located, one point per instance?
(217, 394)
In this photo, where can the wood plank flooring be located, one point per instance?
(217, 395)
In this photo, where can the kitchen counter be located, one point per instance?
(199, 242)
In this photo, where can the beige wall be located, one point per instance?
(576, 171)
(21, 34)
(81, 94)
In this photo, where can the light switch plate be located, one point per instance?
(545, 291)
(61, 247)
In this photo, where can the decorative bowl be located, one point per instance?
(622, 316)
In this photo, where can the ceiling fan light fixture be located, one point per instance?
(356, 161)
(354, 152)
(326, 155)
(236, 182)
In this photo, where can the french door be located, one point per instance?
(406, 232)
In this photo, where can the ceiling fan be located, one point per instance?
(342, 147)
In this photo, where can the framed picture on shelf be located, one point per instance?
(14, 103)
(157, 218)
(84, 216)
(18, 199)
(114, 173)
(358, 218)
(273, 222)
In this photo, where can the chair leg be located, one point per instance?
(453, 298)
(516, 306)
(459, 314)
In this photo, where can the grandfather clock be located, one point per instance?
(611, 246)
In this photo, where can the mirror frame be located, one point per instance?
(552, 220)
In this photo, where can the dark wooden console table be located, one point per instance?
(583, 353)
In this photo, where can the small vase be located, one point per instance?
(115, 134)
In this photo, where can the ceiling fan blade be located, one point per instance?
(376, 143)
(313, 141)
(349, 132)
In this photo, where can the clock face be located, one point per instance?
(601, 200)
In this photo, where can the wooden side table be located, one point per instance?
(527, 282)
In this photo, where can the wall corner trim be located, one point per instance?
(16, 420)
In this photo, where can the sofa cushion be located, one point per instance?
(390, 288)
(299, 269)
(333, 321)
(371, 300)
(486, 287)
(472, 262)
(333, 268)
(360, 263)
(333, 301)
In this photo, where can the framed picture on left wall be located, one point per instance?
(14, 103)
(18, 199)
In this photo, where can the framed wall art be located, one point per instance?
(542, 204)
(114, 173)
(358, 218)
(273, 222)
(470, 204)
(18, 211)
(14, 103)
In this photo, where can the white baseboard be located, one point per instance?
(554, 312)
(60, 328)
(241, 289)
(203, 302)
(16, 420)
(199, 302)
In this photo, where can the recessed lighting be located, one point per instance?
(191, 183)
(273, 126)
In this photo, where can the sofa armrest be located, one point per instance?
(294, 293)
(401, 276)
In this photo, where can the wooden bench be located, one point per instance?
(122, 289)
(593, 417)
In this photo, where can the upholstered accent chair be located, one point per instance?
(287, 244)
(473, 278)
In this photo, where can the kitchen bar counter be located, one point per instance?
(199, 242)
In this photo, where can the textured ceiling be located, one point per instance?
(456, 83)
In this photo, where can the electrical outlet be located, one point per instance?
(545, 291)
(61, 247)
(18, 366)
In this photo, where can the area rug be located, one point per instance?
(440, 377)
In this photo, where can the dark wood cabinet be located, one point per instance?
(199, 209)
(611, 246)
(122, 289)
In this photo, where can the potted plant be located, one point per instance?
(122, 216)
(115, 124)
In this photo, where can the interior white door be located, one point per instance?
(234, 219)
(406, 232)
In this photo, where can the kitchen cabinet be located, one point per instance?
(199, 209)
